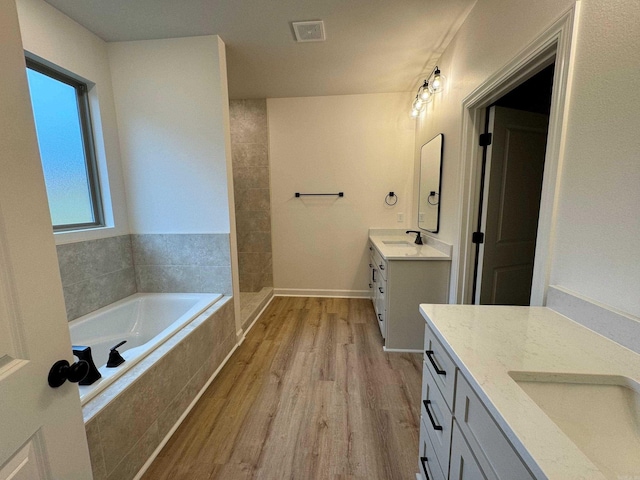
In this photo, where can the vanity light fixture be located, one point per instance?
(431, 85)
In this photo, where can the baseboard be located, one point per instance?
(401, 350)
(302, 292)
(164, 441)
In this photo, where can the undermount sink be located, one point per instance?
(398, 243)
(599, 413)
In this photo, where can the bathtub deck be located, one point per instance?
(309, 394)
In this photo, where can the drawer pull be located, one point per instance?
(423, 461)
(381, 266)
(371, 249)
(380, 288)
(433, 362)
(380, 317)
(433, 422)
(370, 265)
(370, 285)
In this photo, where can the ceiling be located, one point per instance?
(372, 46)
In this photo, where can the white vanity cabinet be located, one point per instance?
(518, 389)
(465, 440)
(399, 284)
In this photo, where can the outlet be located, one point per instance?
(400, 217)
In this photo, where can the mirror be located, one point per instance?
(430, 173)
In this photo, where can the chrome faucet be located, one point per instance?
(418, 237)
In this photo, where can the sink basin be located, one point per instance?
(599, 413)
(398, 243)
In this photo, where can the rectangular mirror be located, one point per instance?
(430, 178)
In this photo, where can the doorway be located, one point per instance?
(553, 46)
(513, 156)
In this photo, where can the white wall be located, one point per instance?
(359, 144)
(172, 108)
(595, 251)
(54, 37)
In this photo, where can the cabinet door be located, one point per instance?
(464, 465)
(493, 450)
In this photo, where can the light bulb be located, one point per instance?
(415, 113)
(437, 82)
(417, 103)
(425, 93)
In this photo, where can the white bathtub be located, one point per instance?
(144, 320)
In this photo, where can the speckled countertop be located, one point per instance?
(432, 250)
(488, 342)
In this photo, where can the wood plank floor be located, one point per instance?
(309, 395)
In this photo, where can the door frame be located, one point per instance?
(555, 44)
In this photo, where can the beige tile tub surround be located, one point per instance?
(126, 424)
(250, 155)
(176, 263)
(96, 273)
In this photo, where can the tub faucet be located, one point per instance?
(418, 237)
(84, 353)
(115, 358)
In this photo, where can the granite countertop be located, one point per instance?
(488, 342)
(393, 251)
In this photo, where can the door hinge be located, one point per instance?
(485, 139)
(477, 237)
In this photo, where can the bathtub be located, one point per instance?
(144, 320)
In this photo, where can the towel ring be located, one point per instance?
(391, 196)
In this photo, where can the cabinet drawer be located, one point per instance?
(464, 465)
(382, 324)
(440, 365)
(436, 416)
(380, 263)
(372, 275)
(381, 303)
(428, 465)
(500, 460)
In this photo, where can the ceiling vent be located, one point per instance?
(311, 31)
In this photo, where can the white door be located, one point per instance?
(41, 428)
(513, 184)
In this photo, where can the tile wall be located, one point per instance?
(96, 273)
(196, 263)
(250, 154)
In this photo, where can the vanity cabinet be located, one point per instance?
(398, 287)
(465, 441)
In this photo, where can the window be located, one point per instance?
(63, 126)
